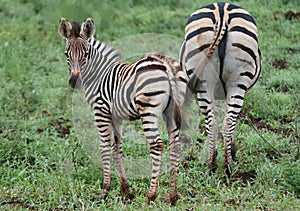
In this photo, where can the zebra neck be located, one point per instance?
(99, 60)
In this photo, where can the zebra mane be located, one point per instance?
(110, 53)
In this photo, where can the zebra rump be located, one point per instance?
(221, 57)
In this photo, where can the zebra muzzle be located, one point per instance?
(75, 81)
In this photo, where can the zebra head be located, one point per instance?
(77, 46)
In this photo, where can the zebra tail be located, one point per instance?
(178, 83)
(180, 117)
(220, 35)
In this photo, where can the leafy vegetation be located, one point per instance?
(44, 165)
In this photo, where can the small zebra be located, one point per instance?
(221, 57)
(145, 89)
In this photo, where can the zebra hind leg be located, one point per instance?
(174, 153)
(149, 121)
(234, 106)
(207, 109)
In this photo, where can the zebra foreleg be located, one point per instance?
(105, 154)
(118, 158)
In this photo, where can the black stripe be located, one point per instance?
(242, 86)
(155, 153)
(106, 151)
(144, 104)
(244, 16)
(150, 129)
(196, 51)
(198, 31)
(153, 137)
(246, 49)
(235, 105)
(200, 91)
(233, 112)
(148, 122)
(248, 74)
(244, 31)
(176, 129)
(238, 97)
(210, 6)
(153, 66)
(183, 79)
(190, 71)
(206, 113)
(150, 94)
(150, 81)
(102, 120)
(204, 100)
(232, 7)
(201, 15)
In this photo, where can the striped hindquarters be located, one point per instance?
(150, 79)
(226, 27)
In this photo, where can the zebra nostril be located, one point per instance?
(75, 82)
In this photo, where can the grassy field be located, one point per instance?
(45, 163)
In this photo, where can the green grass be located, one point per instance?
(45, 163)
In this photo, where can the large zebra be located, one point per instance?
(116, 91)
(221, 57)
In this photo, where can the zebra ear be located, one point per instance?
(64, 28)
(88, 28)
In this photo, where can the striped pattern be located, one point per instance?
(145, 89)
(221, 57)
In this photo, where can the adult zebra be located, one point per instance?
(227, 72)
(116, 91)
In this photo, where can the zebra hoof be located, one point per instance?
(233, 153)
(212, 167)
(173, 198)
(228, 169)
(124, 189)
(105, 190)
(151, 197)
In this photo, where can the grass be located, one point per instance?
(48, 162)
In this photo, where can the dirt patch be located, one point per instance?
(290, 15)
(257, 122)
(62, 127)
(280, 64)
(244, 177)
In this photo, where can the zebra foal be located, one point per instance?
(116, 91)
(221, 57)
